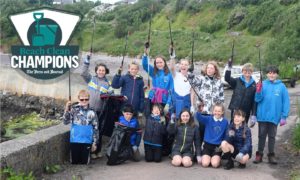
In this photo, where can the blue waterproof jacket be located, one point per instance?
(240, 138)
(132, 88)
(159, 80)
(273, 102)
(135, 138)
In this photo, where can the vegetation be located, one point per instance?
(273, 24)
(9, 174)
(25, 124)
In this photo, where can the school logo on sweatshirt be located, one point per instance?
(44, 33)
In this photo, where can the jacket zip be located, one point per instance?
(132, 90)
(184, 136)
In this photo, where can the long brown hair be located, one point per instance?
(239, 112)
(166, 69)
(191, 120)
(214, 63)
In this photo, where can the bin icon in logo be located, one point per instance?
(45, 33)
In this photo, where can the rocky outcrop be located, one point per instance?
(13, 105)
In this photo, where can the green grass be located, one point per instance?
(26, 124)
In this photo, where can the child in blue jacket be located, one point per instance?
(128, 120)
(132, 86)
(238, 141)
(215, 131)
(162, 81)
(84, 129)
(273, 106)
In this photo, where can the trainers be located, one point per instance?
(272, 159)
(94, 156)
(242, 166)
(258, 158)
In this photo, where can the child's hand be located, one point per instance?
(134, 148)
(258, 87)
(239, 157)
(166, 109)
(282, 122)
(68, 106)
(94, 147)
(192, 109)
(87, 59)
(199, 159)
(119, 71)
(253, 120)
(173, 118)
(200, 107)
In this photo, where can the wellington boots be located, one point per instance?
(258, 158)
(272, 159)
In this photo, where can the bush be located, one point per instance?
(236, 17)
(264, 17)
(296, 136)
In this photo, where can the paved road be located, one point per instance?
(164, 170)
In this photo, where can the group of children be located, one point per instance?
(175, 97)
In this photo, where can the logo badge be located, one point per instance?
(45, 33)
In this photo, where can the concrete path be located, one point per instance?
(164, 170)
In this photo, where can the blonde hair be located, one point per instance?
(214, 63)
(133, 63)
(219, 105)
(248, 66)
(185, 60)
(83, 93)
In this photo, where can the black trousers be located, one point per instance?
(80, 153)
(152, 153)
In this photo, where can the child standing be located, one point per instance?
(215, 130)
(97, 85)
(186, 138)
(238, 141)
(162, 81)
(132, 86)
(181, 95)
(128, 120)
(209, 87)
(273, 106)
(84, 128)
(243, 91)
(155, 130)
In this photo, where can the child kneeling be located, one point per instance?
(238, 141)
(187, 137)
(129, 121)
(215, 130)
(84, 128)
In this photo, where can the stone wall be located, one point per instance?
(35, 151)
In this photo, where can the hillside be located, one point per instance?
(216, 23)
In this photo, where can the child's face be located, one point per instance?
(101, 71)
(238, 119)
(218, 112)
(159, 63)
(83, 100)
(156, 111)
(210, 70)
(247, 73)
(133, 69)
(272, 76)
(184, 66)
(185, 117)
(128, 115)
